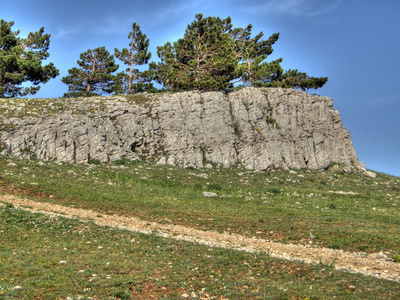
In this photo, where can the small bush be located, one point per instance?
(215, 186)
(121, 161)
(137, 98)
(274, 191)
(2, 146)
(237, 129)
(94, 161)
(197, 186)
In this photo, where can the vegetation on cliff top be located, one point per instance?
(21, 61)
(212, 55)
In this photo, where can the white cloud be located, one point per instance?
(63, 32)
(295, 8)
(176, 11)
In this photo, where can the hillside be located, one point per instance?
(142, 231)
(249, 195)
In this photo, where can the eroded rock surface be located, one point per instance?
(252, 128)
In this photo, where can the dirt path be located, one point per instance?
(376, 265)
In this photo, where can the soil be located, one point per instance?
(377, 264)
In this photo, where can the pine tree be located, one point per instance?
(21, 61)
(136, 55)
(254, 70)
(296, 79)
(94, 77)
(252, 54)
(204, 59)
(213, 56)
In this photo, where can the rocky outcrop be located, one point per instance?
(253, 128)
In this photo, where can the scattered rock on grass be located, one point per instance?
(335, 168)
(369, 174)
(209, 195)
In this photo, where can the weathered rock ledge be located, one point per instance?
(252, 128)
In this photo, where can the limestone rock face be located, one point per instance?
(253, 128)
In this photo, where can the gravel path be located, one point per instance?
(377, 265)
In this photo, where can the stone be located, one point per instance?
(346, 169)
(162, 161)
(205, 176)
(335, 168)
(369, 174)
(252, 128)
(361, 167)
(209, 195)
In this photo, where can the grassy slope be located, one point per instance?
(279, 206)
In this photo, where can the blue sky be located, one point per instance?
(355, 43)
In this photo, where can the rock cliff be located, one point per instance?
(253, 128)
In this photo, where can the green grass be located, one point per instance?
(106, 263)
(278, 206)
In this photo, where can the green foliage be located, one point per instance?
(121, 161)
(132, 80)
(94, 161)
(204, 59)
(274, 191)
(254, 70)
(21, 61)
(294, 78)
(141, 82)
(252, 53)
(236, 128)
(94, 77)
(138, 99)
(214, 56)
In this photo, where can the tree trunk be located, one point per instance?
(131, 68)
(89, 86)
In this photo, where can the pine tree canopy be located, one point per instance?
(132, 80)
(94, 75)
(204, 59)
(212, 55)
(252, 53)
(21, 61)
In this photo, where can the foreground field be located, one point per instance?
(328, 209)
